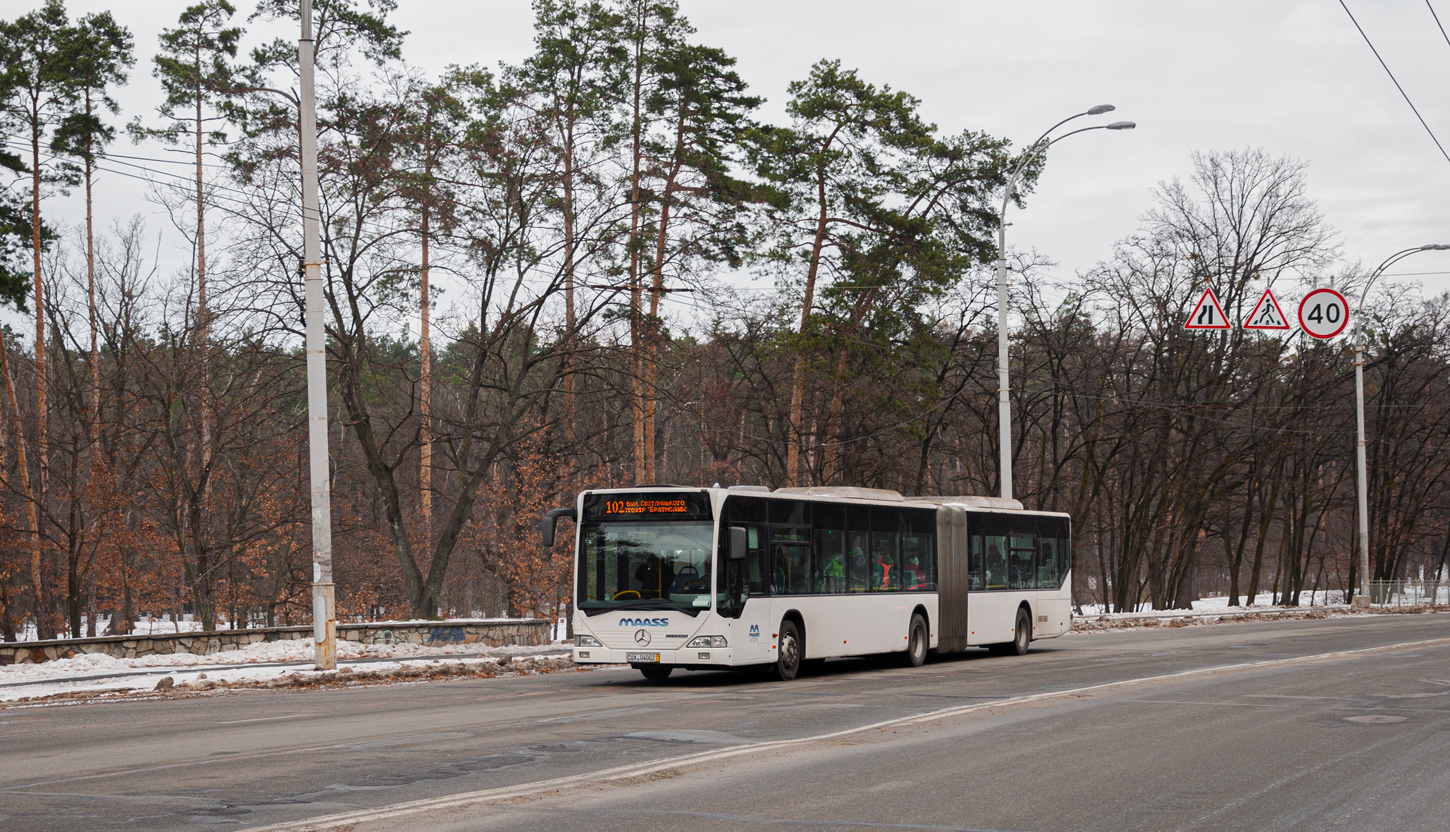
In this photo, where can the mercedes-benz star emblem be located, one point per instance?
(641, 637)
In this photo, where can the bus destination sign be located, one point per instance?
(647, 506)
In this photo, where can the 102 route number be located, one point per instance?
(1323, 313)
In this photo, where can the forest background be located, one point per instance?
(582, 208)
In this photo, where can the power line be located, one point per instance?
(1437, 21)
(1396, 81)
(215, 192)
(1411, 274)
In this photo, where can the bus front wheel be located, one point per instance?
(655, 672)
(791, 650)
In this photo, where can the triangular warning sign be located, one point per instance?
(1266, 314)
(1207, 314)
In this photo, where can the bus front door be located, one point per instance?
(756, 630)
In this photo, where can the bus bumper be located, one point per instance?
(682, 657)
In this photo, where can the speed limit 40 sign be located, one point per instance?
(1323, 313)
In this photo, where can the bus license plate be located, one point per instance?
(642, 658)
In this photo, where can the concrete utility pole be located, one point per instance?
(324, 608)
(1004, 403)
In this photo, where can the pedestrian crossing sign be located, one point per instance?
(1266, 314)
(1208, 314)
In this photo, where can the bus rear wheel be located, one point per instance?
(656, 672)
(791, 651)
(916, 643)
(1021, 637)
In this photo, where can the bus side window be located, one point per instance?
(790, 564)
(918, 551)
(830, 574)
(1047, 577)
(858, 561)
(1022, 567)
(755, 566)
(885, 549)
(858, 548)
(975, 581)
(995, 561)
(828, 569)
(885, 561)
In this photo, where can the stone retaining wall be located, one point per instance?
(500, 632)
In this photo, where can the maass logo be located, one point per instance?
(755, 632)
(644, 622)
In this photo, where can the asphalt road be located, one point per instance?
(1341, 723)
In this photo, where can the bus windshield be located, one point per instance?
(648, 565)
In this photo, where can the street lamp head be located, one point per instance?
(1122, 125)
(1436, 247)
(1100, 109)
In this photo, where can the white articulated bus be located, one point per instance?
(672, 577)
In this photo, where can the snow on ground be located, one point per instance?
(149, 625)
(144, 626)
(1263, 602)
(256, 663)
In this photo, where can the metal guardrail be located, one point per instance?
(1408, 593)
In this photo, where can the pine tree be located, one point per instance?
(436, 121)
(572, 73)
(99, 54)
(40, 95)
(196, 70)
(874, 197)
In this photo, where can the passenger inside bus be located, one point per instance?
(1021, 565)
(859, 565)
(833, 574)
(881, 577)
(994, 558)
(915, 578)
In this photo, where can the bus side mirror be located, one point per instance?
(739, 542)
(551, 518)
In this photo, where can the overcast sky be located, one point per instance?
(1292, 77)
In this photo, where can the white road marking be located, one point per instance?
(347, 820)
(1287, 696)
(265, 719)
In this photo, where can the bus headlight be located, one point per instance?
(707, 641)
(581, 640)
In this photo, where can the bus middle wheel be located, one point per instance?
(916, 642)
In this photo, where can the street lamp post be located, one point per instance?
(1364, 599)
(1004, 405)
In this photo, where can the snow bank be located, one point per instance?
(255, 663)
